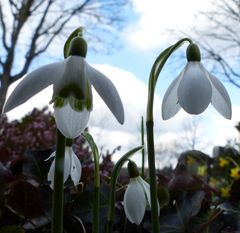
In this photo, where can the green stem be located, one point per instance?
(152, 177)
(96, 201)
(96, 209)
(155, 71)
(57, 214)
(112, 197)
(143, 150)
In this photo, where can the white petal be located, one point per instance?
(134, 202)
(67, 167)
(76, 169)
(33, 83)
(70, 122)
(51, 156)
(220, 98)
(146, 188)
(74, 73)
(107, 91)
(194, 91)
(170, 105)
(51, 171)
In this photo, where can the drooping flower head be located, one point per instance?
(72, 167)
(72, 81)
(194, 89)
(137, 196)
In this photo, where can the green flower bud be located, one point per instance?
(132, 169)
(78, 47)
(193, 53)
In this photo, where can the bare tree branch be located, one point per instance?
(220, 40)
(4, 42)
(34, 25)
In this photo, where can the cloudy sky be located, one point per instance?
(153, 26)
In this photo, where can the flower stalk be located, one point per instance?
(112, 197)
(143, 150)
(96, 201)
(58, 194)
(155, 71)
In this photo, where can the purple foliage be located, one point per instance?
(35, 131)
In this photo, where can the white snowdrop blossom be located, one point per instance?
(72, 79)
(193, 90)
(137, 199)
(72, 167)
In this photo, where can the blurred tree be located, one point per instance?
(28, 28)
(220, 38)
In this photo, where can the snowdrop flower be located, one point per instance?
(72, 167)
(72, 81)
(194, 89)
(137, 196)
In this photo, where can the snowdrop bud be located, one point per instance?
(132, 169)
(193, 53)
(78, 47)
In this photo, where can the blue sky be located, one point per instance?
(144, 37)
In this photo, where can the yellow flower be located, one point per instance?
(235, 173)
(222, 162)
(225, 191)
(202, 170)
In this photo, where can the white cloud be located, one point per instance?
(156, 17)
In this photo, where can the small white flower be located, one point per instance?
(137, 199)
(72, 167)
(193, 90)
(72, 80)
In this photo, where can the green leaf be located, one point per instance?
(94, 149)
(67, 43)
(11, 229)
(96, 204)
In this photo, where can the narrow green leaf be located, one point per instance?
(96, 204)
(11, 229)
(94, 149)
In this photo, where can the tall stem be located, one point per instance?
(57, 214)
(152, 177)
(96, 209)
(155, 71)
(143, 150)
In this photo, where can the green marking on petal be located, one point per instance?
(89, 102)
(72, 90)
(77, 105)
(59, 102)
